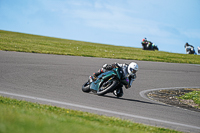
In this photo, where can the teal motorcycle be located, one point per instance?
(106, 82)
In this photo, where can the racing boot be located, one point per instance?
(94, 78)
(100, 71)
(118, 92)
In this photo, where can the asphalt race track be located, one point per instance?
(57, 80)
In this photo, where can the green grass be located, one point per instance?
(194, 95)
(13, 41)
(19, 116)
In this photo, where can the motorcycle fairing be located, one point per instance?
(104, 76)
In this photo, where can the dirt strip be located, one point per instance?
(170, 97)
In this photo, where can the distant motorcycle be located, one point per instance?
(149, 46)
(190, 50)
(105, 83)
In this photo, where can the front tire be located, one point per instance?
(108, 88)
(156, 48)
(86, 87)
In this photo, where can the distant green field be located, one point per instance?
(13, 41)
(25, 117)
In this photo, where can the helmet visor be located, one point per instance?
(132, 70)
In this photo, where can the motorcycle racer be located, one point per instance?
(146, 43)
(189, 48)
(129, 75)
(187, 44)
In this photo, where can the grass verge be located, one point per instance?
(21, 117)
(13, 41)
(191, 98)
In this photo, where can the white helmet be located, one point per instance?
(132, 68)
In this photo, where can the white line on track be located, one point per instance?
(98, 109)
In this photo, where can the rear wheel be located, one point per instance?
(86, 87)
(107, 87)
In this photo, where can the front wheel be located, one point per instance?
(107, 87)
(86, 87)
(155, 48)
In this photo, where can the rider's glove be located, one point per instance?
(132, 76)
(127, 86)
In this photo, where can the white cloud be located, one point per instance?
(114, 20)
(105, 15)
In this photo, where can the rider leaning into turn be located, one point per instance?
(187, 44)
(188, 47)
(129, 75)
(144, 41)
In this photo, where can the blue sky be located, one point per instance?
(167, 23)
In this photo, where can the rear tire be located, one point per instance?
(86, 87)
(108, 88)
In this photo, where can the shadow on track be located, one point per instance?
(133, 100)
